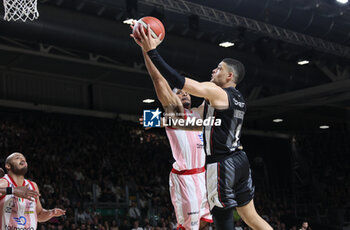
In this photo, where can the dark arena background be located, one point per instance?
(73, 82)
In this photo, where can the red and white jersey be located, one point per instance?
(186, 146)
(17, 213)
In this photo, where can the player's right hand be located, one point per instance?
(25, 192)
(58, 212)
(147, 42)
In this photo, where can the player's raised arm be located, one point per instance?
(164, 93)
(170, 102)
(215, 94)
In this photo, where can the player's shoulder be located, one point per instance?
(232, 90)
(33, 183)
(235, 93)
(4, 182)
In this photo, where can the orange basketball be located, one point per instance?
(156, 26)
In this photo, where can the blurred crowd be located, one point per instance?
(111, 174)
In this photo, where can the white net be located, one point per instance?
(20, 10)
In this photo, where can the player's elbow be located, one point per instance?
(39, 218)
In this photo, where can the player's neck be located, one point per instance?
(18, 179)
(229, 84)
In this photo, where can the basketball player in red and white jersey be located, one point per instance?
(16, 212)
(187, 178)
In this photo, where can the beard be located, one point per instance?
(18, 171)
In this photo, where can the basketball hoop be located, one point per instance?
(20, 10)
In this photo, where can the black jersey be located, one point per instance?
(224, 139)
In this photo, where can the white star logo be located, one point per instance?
(155, 114)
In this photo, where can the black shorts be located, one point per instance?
(229, 181)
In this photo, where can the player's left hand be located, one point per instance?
(58, 212)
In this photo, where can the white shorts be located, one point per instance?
(189, 197)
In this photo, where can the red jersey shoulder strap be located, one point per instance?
(31, 184)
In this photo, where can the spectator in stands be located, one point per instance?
(81, 216)
(305, 225)
(136, 225)
(106, 225)
(283, 226)
(238, 225)
(114, 225)
(134, 212)
(124, 225)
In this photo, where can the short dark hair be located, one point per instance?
(237, 68)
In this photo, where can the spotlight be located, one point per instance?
(342, 1)
(303, 62)
(148, 101)
(226, 44)
(277, 120)
(128, 21)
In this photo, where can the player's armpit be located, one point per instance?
(208, 90)
(199, 110)
(3, 183)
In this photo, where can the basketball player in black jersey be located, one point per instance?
(229, 181)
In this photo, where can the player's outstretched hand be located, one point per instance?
(58, 212)
(147, 42)
(25, 192)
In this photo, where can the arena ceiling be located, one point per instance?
(86, 40)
